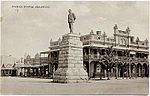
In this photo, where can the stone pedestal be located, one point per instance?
(70, 67)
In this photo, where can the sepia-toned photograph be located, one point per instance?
(74, 48)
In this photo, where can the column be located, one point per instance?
(105, 73)
(43, 73)
(100, 68)
(135, 71)
(89, 69)
(24, 72)
(39, 71)
(27, 71)
(10, 72)
(36, 71)
(119, 70)
(142, 72)
(3, 73)
(98, 55)
(116, 71)
(127, 67)
(20, 74)
(32, 74)
(147, 71)
(129, 70)
(91, 53)
(51, 69)
(123, 72)
(108, 73)
(48, 70)
(89, 61)
(139, 71)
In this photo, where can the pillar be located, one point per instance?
(127, 67)
(108, 73)
(36, 71)
(119, 70)
(98, 55)
(43, 73)
(147, 71)
(28, 72)
(139, 71)
(48, 70)
(32, 72)
(135, 71)
(116, 75)
(100, 72)
(89, 62)
(105, 73)
(24, 72)
(11, 72)
(129, 70)
(89, 68)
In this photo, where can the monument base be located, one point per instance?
(70, 67)
(70, 75)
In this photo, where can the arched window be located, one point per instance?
(122, 41)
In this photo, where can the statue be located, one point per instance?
(71, 19)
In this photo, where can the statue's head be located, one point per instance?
(69, 10)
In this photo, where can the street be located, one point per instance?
(37, 86)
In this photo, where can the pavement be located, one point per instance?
(37, 86)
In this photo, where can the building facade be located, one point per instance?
(9, 65)
(34, 67)
(118, 56)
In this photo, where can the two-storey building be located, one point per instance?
(120, 55)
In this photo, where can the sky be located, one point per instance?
(29, 30)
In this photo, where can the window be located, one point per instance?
(6, 72)
(95, 51)
(131, 39)
(123, 41)
(107, 39)
(119, 53)
(142, 43)
(9, 71)
(99, 38)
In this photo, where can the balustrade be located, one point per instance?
(116, 58)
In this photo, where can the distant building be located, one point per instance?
(34, 66)
(8, 65)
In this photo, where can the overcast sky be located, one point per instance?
(29, 30)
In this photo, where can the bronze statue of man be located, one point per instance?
(71, 19)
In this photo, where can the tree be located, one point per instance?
(108, 61)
